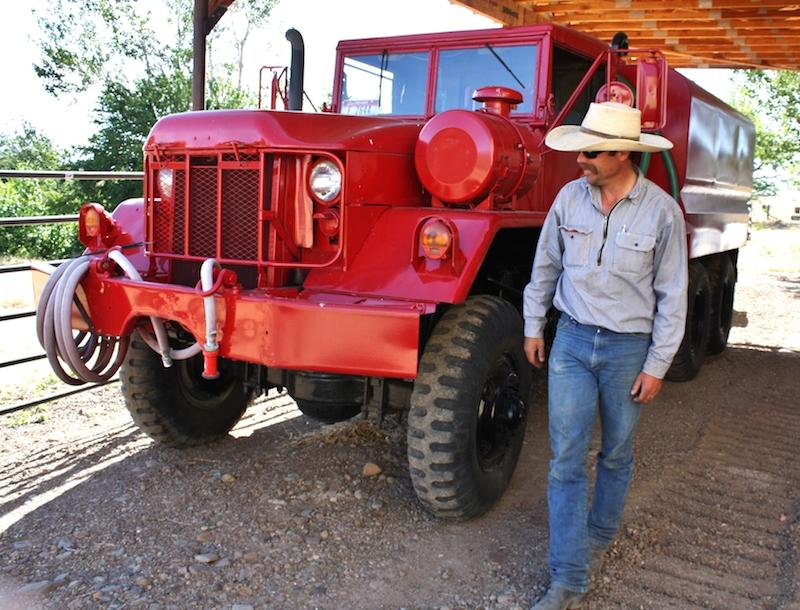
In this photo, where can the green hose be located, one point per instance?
(672, 174)
(644, 162)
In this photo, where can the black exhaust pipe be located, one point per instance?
(297, 67)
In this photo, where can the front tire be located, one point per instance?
(469, 408)
(689, 358)
(176, 406)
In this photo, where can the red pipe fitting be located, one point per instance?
(210, 360)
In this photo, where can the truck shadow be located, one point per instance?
(296, 524)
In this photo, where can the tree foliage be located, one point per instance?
(28, 150)
(139, 59)
(142, 61)
(772, 101)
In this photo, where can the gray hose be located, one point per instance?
(75, 359)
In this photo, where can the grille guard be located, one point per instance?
(246, 207)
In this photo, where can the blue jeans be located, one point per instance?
(589, 366)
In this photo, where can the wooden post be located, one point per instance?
(199, 55)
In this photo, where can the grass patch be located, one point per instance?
(47, 384)
(30, 390)
(773, 224)
(32, 415)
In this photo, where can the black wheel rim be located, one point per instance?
(501, 414)
(203, 394)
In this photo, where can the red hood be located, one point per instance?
(290, 130)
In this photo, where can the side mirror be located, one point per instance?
(651, 91)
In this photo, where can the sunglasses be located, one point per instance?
(593, 154)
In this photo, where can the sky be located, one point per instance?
(68, 120)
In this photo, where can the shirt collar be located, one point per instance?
(633, 196)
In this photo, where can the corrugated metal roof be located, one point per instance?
(690, 33)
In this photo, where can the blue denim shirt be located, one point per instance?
(626, 272)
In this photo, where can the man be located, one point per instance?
(612, 259)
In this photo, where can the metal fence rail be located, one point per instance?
(70, 175)
(39, 401)
(18, 221)
(39, 220)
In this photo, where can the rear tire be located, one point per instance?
(722, 291)
(689, 359)
(468, 408)
(176, 406)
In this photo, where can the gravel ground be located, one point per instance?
(286, 513)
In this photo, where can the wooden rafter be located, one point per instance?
(722, 33)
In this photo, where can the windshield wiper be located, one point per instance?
(505, 65)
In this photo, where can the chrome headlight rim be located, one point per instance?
(325, 181)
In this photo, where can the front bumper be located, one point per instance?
(314, 331)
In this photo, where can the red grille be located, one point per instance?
(239, 209)
(162, 233)
(203, 211)
(178, 215)
(222, 207)
(240, 214)
(240, 157)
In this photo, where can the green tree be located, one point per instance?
(28, 150)
(144, 73)
(772, 101)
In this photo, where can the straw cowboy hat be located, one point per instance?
(607, 126)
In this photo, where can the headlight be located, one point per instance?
(165, 183)
(325, 181)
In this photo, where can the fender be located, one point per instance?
(387, 265)
(129, 215)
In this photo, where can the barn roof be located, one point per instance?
(690, 33)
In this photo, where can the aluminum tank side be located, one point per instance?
(713, 157)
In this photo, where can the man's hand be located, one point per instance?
(645, 388)
(534, 351)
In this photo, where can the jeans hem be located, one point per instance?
(569, 586)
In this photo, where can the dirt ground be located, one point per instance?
(280, 515)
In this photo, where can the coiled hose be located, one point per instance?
(55, 333)
(86, 357)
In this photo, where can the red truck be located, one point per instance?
(374, 256)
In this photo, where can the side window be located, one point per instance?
(386, 83)
(461, 71)
(568, 70)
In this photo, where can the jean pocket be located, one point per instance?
(577, 242)
(634, 253)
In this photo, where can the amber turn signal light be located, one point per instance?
(96, 228)
(435, 239)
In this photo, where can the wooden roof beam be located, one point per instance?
(544, 5)
(682, 43)
(760, 21)
(677, 14)
(694, 29)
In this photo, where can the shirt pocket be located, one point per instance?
(577, 243)
(634, 253)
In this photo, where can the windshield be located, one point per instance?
(461, 71)
(385, 83)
